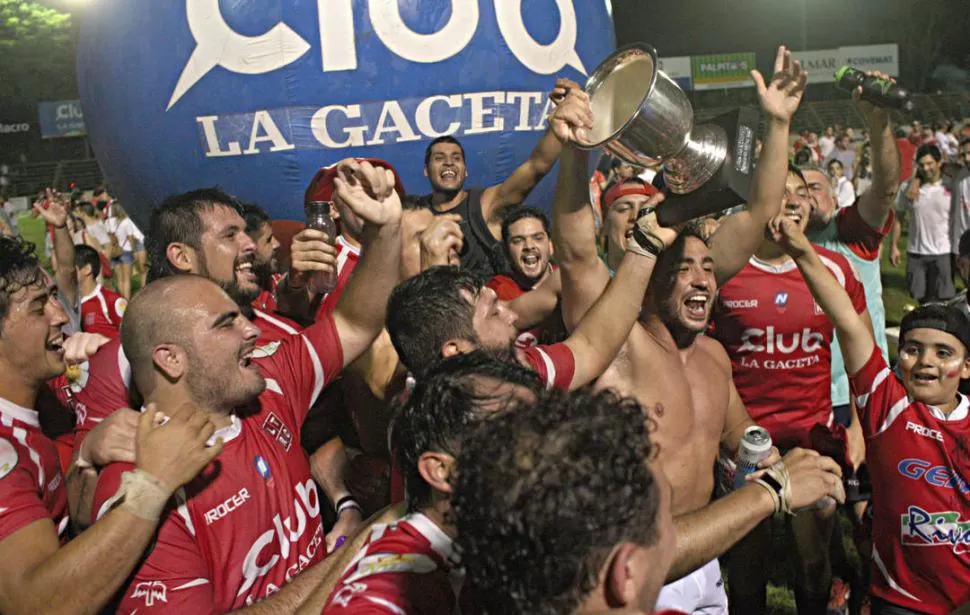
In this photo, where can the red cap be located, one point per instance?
(321, 186)
(625, 188)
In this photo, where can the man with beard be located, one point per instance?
(40, 572)
(445, 311)
(200, 232)
(682, 378)
(482, 209)
(251, 525)
(779, 343)
(525, 235)
(259, 227)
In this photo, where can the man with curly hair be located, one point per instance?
(559, 510)
(409, 566)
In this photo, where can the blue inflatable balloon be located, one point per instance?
(256, 95)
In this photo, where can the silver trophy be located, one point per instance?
(641, 115)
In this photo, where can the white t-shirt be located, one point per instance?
(127, 233)
(929, 226)
(960, 209)
(826, 145)
(845, 192)
(97, 231)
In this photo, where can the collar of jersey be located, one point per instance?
(8, 409)
(440, 542)
(784, 267)
(94, 293)
(227, 433)
(347, 245)
(959, 413)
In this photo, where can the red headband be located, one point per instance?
(625, 188)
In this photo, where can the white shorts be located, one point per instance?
(702, 591)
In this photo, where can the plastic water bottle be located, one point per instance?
(754, 448)
(319, 218)
(878, 91)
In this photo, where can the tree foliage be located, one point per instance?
(38, 45)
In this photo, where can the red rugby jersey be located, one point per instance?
(779, 341)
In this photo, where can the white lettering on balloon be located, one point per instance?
(372, 123)
(217, 44)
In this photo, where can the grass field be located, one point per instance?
(780, 599)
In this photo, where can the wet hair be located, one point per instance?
(544, 493)
(255, 217)
(444, 139)
(928, 149)
(19, 267)
(444, 406)
(86, 256)
(427, 310)
(178, 219)
(669, 260)
(521, 213)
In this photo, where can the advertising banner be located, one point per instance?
(723, 70)
(820, 65)
(677, 69)
(884, 58)
(62, 118)
(257, 95)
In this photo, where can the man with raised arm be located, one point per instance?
(917, 431)
(248, 527)
(482, 209)
(39, 573)
(681, 377)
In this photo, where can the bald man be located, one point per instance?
(251, 524)
(189, 344)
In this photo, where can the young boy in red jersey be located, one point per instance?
(917, 429)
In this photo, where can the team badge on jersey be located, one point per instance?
(262, 467)
(8, 458)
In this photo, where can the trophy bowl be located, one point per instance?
(641, 116)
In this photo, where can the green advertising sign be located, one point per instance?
(723, 70)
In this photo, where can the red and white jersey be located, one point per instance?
(920, 460)
(251, 521)
(405, 568)
(555, 364)
(102, 386)
(102, 311)
(273, 327)
(31, 483)
(266, 301)
(347, 257)
(779, 341)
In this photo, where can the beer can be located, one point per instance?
(755, 446)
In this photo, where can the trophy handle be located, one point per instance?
(699, 161)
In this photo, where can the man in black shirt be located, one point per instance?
(482, 209)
